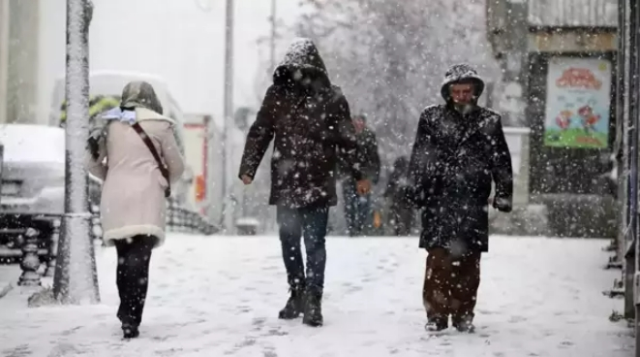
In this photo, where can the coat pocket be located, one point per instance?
(475, 222)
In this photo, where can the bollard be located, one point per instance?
(96, 223)
(30, 260)
(53, 249)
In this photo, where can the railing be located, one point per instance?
(179, 219)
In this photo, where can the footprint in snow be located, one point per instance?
(70, 331)
(566, 344)
(269, 352)
(64, 349)
(516, 319)
(20, 351)
(275, 331)
(258, 321)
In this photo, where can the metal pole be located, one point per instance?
(624, 140)
(228, 109)
(634, 121)
(4, 58)
(208, 169)
(76, 279)
(517, 61)
(273, 35)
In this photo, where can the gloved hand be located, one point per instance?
(502, 204)
(96, 133)
(94, 147)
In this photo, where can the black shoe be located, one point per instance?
(294, 305)
(130, 331)
(313, 310)
(436, 324)
(464, 325)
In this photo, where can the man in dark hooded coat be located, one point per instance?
(310, 122)
(399, 192)
(459, 150)
(357, 208)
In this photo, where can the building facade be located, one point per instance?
(559, 60)
(19, 54)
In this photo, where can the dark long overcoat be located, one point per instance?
(309, 121)
(455, 158)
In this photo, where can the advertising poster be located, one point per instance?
(578, 103)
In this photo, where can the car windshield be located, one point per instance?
(32, 143)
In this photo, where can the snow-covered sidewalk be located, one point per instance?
(220, 296)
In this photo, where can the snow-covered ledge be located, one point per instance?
(518, 142)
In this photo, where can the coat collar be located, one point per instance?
(472, 122)
(143, 114)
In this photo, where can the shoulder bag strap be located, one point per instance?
(163, 168)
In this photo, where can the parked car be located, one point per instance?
(32, 189)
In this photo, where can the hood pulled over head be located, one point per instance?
(140, 94)
(302, 62)
(461, 73)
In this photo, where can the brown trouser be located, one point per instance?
(451, 285)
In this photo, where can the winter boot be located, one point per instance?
(436, 324)
(295, 304)
(313, 309)
(130, 331)
(464, 324)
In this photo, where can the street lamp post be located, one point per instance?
(4, 58)
(75, 279)
(634, 155)
(273, 35)
(228, 110)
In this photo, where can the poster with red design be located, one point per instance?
(578, 103)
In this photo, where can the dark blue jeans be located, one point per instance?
(357, 209)
(310, 223)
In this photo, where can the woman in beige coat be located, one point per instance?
(133, 203)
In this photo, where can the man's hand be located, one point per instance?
(246, 180)
(502, 205)
(363, 187)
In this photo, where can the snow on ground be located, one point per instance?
(220, 296)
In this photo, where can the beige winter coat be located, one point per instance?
(133, 201)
